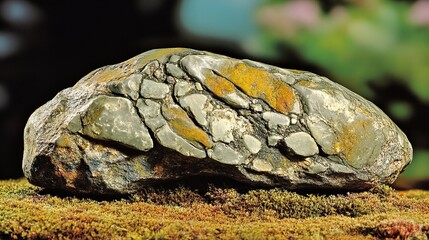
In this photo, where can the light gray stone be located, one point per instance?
(293, 119)
(273, 140)
(129, 87)
(237, 99)
(196, 103)
(301, 143)
(154, 90)
(174, 58)
(151, 113)
(224, 154)
(221, 129)
(257, 108)
(198, 86)
(150, 68)
(252, 144)
(276, 120)
(182, 88)
(175, 71)
(261, 165)
(115, 119)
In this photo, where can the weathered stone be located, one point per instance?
(196, 103)
(115, 119)
(224, 154)
(302, 144)
(182, 88)
(129, 87)
(273, 140)
(167, 138)
(173, 113)
(155, 90)
(261, 165)
(252, 143)
(276, 120)
(175, 71)
(174, 58)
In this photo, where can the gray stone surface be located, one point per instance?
(129, 87)
(225, 154)
(252, 143)
(182, 88)
(153, 89)
(273, 140)
(276, 120)
(197, 105)
(302, 144)
(175, 71)
(175, 113)
(115, 119)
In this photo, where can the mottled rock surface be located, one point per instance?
(173, 113)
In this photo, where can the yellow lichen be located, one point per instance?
(143, 59)
(108, 74)
(65, 140)
(351, 142)
(181, 124)
(260, 84)
(218, 85)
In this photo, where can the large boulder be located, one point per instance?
(173, 113)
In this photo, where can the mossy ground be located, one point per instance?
(28, 212)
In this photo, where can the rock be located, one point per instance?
(176, 113)
(129, 87)
(153, 89)
(196, 104)
(276, 120)
(273, 140)
(224, 154)
(252, 144)
(115, 119)
(302, 144)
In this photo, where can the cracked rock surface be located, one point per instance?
(172, 113)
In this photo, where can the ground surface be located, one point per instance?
(28, 212)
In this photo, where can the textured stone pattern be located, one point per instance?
(173, 113)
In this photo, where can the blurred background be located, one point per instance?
(379, 49)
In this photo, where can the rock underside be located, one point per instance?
(175, 113)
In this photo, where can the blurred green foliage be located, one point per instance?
(361, 43)
(400, 110)
(419, 167)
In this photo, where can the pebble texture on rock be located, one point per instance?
(173, 113)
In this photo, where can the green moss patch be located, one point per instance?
(27, 212)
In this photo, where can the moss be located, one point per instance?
(27, 212)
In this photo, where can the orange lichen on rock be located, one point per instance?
(260, 84)
(218, 85)
(61, 169)
(181, 124)
(352, 142)
(108, 74)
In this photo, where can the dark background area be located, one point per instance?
(58, 42)
(67, 40)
